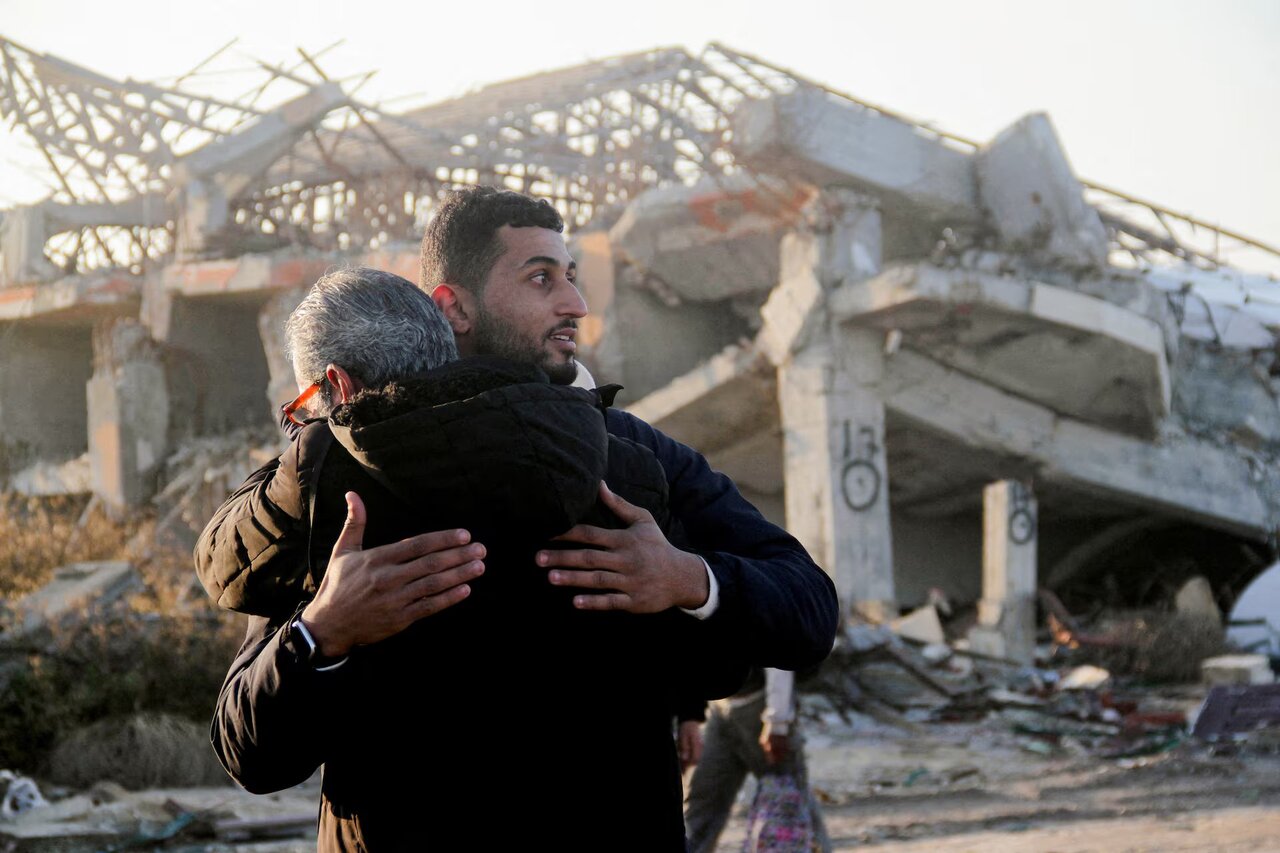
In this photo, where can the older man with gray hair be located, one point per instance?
(414, 718)
(366, 327)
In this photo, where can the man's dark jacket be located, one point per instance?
(512, 701)
(383, 716)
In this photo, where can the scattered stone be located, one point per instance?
(74, 588)
(1195, 598)
(921, 625)
(936, 653)
(1087, 677)
(1237, 669)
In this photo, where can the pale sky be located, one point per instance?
(1174, 101)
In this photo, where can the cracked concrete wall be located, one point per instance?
(1227, 395)
(218, 368)
(43, 411)
(649, 343)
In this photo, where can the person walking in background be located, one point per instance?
(755, 731)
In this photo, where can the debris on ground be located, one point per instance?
(1090, 693)
(201, 473)
(1238, 712)
(1237, 669)
(21, 795)
(108, 818)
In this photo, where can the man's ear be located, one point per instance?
(458, 305)
(344, 384)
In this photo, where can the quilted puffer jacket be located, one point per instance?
(566, 712)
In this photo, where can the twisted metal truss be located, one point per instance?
(107, 142)
(590, 138)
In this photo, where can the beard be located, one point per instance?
(494, 337)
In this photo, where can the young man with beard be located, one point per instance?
(496, 264)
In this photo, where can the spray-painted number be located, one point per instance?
(1022, 516)
(860, 478)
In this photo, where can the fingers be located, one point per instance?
(580, 558)
(597, 579)
(586, 534)
(628, 512)
(438, 582)
(610, 601)
(433, 604)
(407, 550)
(352, 536)
(436, 562)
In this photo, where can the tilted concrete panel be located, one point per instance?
(831, 142)
(1075, 354)
(1181, 475)
(711, 241)
(1035, 201)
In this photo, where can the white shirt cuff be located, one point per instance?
(713, 595)
(779, 709)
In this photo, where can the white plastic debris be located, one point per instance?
(22, 795)
(1085, 677)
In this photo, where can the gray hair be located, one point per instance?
(375, 325)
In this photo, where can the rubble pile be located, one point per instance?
(908, 677)
(106, 816)
(200, 474)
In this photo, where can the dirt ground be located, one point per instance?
(942, 788)
(975, 787)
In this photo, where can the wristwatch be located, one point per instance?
(303, 645)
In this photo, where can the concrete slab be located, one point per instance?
(1084, 357)
(74, 300)
(726, 400)
(833, 142)
(714, 240)
(246, 274)
(74, 587)
(1181, 475)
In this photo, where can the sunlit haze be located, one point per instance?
(1177, 102)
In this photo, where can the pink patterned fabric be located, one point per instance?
(780, 820)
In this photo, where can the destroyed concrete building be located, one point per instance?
(939, 362)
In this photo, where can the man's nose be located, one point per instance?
(571, 303)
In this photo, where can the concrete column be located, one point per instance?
(1007, 612)
(128, 415)
(836, 474)
(835, 466)
(280, 386)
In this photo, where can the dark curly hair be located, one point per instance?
(461, 243)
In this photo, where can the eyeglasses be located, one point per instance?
(290, 409)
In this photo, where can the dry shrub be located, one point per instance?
(1160, 647)
(121, 662)
(165, 651)
(39, 534)
(139, 751)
